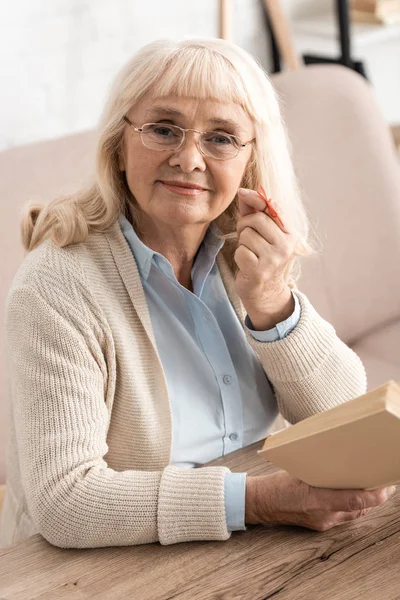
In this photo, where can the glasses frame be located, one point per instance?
(241, 144)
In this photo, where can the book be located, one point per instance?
(355, 445)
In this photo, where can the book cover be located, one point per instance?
(355, 445)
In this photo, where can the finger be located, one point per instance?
(352, 516)
(255, 242)
(246, 260)
(352, 500)
(276, 214)
(340, 518)
(265, 226)
(272, 209)
(249, 202)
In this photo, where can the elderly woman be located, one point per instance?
(155, 323)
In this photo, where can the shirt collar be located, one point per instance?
(145, 256)
(142, 253)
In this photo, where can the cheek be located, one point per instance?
(229, 178)
(138, 162)
(141, 169)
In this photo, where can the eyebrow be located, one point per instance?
(173, 112)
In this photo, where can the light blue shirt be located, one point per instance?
(221, 399)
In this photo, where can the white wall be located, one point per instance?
(58, 57)
(301, 8)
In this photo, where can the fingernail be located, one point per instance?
(244, 191)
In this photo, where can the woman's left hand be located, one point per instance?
(266, 250)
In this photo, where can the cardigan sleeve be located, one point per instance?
(311, 369)
(58, 386)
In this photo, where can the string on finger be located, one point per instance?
(271, 210)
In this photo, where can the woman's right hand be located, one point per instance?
(281, 499)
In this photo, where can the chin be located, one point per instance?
(181, 216)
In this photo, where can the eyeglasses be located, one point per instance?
(163, 136)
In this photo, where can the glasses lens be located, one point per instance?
(219, 145)
(160, 136)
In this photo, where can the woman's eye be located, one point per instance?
(163, 131)
(219, 139)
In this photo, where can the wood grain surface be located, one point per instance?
(360, 560)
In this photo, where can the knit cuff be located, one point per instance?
(302, 351)
(191, 505)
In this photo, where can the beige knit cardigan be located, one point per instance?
(91, 428)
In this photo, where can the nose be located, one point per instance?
(188, 157)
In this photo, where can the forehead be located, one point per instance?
(186, 110)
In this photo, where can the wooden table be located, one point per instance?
(360, 560)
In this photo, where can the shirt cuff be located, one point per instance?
(235, 500)
(280, 330)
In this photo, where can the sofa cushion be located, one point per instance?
(380, 353)
(349, 173)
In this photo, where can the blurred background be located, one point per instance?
(58, 57)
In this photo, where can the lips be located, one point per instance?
(181, 184)
(183, 189)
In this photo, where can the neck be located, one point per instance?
(179, 245)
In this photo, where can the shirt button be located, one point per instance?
(227, 379)
(233, 437)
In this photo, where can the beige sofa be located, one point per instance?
(350, 176)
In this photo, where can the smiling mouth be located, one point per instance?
(183, 189)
